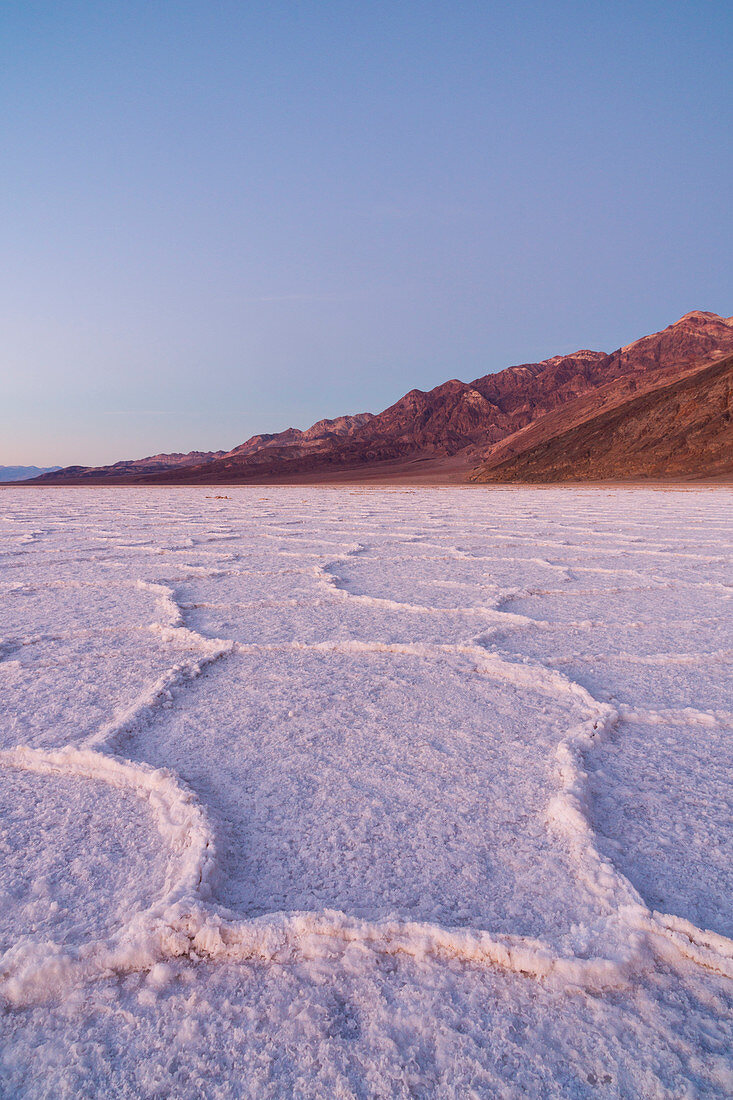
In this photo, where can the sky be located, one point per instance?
(223, 218)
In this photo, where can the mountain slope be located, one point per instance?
(681, 428)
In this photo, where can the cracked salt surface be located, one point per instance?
(42, 880)
(365, 793)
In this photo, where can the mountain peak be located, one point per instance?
(692, 336)
(701, 317)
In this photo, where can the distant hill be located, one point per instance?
(294, 443)
(133, 468)
(24, 473)
(457, 427)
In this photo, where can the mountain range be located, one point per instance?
(25, 473)
(659, 407)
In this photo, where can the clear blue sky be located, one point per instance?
(219, 218)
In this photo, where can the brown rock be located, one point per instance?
(675, 429)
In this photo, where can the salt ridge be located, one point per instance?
(182, 923)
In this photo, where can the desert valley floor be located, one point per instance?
(370, 793)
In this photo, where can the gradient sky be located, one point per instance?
(220, 218)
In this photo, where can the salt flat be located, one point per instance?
(350, 792)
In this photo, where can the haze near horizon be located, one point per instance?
(224, 221)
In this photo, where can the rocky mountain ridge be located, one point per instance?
(461, 425)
